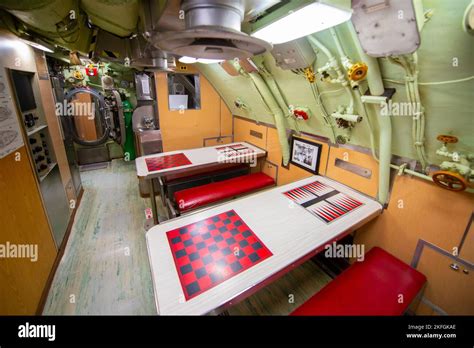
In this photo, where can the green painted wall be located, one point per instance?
(448, 108)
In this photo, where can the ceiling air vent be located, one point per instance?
(212, 31)
(145, 55)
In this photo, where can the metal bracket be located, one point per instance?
(419, 249)
(353, 168)
(378, 99)
(276, 169)
(171, 209)
(466, 231)
(204, 140)
(455, 266)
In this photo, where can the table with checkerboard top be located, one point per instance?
(204, 262)
(173, 162)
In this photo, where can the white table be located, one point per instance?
(291, 233)
(199, 158)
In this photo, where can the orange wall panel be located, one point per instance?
(417, 210)
(292, 173)
(186, 129)
(47, 101)
(420, 210)
(271, 143)
(368, 186)
(23, 221)
(242, 129)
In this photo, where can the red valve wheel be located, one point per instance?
(449, 180)
(450, 139)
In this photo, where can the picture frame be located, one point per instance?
(305, 154)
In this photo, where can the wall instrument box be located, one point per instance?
(297, 54)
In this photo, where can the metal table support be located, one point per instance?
(153, 201)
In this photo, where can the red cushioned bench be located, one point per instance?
(370, 287)
(199, 196)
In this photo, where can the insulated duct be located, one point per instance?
(212, 31)
(374, 79)
(145, 55)
(277, 112)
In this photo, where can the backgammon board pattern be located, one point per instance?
(234, 150)
(323, 201)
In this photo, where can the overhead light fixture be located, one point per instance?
(209, 61)
(302, 22)
(212, 30)
(187, 60)
(36, 43)
(192, 60)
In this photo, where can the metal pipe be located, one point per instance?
(323, 48)
(338, 43)
(275, 91)
(403, 170)
(369, 123)
(419, 13)
(343, 59)
(324, 113)
(347, 117)
(333, 64)
(385, 157)
(373, 76)
(277, 114)
(374, 79)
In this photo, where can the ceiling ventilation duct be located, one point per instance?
(212, 31)
(145, 55)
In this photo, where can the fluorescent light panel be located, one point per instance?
(302, 22)
(37, 45)
(209, 61)
(187, 60)
(192, 60)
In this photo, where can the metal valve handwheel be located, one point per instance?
(447, 139)
(357, 71)
(449, 180)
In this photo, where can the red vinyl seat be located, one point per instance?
(370, 287)
(195, 197)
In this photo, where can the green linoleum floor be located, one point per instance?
(105, 267)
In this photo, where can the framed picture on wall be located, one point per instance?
(305, 154)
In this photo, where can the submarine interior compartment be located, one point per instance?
(236, 157)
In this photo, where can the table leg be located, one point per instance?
(162, 195)
(153, 201)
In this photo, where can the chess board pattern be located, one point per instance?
(165, 162)
(323, 201)
(234, 150)
(211, 251)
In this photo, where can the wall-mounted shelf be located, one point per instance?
(36, 129)
(45, 174)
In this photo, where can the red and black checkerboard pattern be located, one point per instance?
(211, 251)
(167, 161)
(234, 150)
(323, 201)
